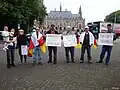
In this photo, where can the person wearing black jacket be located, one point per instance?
(52, 48)
(21, 40)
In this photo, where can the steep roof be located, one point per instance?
(62, 15)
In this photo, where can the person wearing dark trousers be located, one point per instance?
(10, 51)
(22, 41)
(87, 40)
(106, 48)
(52, 48)
(69, 49)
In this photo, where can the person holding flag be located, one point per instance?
(35, 42)
(87, 40)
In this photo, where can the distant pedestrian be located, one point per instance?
(22, 41)
(52, 48)
(87, 40)
(106, 48)
(69, 49)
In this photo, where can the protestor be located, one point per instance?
(69, 49)
(106, 48)
(36, 36)
(22, 41)
(52, 48)
(10, 47)
(87, 40)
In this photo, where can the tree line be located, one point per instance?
(23, 12)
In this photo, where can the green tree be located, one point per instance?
(113, 17)
(22, 11)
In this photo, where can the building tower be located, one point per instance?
(60, 7)
(80, 12)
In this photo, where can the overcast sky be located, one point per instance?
(93, 10)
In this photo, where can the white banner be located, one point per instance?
(24, 49)
(105, 39)
(53, 40)
(69, 40)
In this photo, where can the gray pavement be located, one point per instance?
(62, 76)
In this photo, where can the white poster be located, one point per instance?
(69, 40)
(105, 39)
(53, 40)
(24, 50)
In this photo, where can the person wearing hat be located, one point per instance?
(22, 41)
(106, 48)
(35, 37)
(69, 49)
(87, 40)
(52, 48)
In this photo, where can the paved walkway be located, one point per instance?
(62, 76)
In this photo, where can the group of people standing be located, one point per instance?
(12, 42)
(86, 39)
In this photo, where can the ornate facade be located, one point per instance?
(65, 18)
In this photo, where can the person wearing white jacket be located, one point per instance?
(87, 40)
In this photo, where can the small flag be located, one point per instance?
(95, 44)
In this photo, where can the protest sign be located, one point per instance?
(69, 40)
(105, 39)
(24, 50)
(53, 40)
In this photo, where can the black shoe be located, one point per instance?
(8, 66)
(13, 65)
(81, 61)
(107, 64)
(40, 63)
(54, 62)
(68, 61)
(49, 62)
(73, 61)
(100, 61)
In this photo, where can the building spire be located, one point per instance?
(60, 7)
(80, 11)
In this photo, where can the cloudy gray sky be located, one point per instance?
(93, 10)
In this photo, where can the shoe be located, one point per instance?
(100, 61)
(89, 62)
(106, 63)
(8, 66)
(40, 63)
(34, 63)
(81, 61)
(68, 62)
(73, 61)
(13, 65)
(49, 62)
(54, 62)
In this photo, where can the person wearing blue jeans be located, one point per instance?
(37, 55)
(106, 48)
(36, 52)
